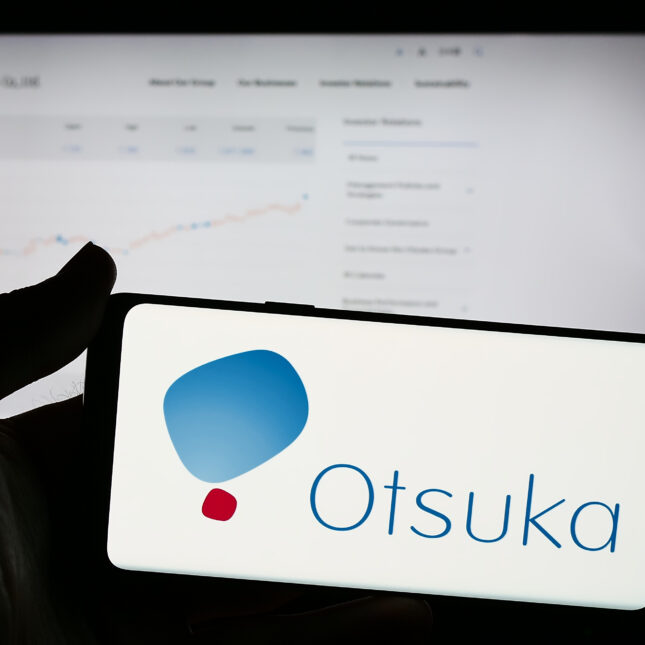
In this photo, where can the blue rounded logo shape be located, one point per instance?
(229, 416)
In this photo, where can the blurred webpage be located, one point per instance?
(489, 177)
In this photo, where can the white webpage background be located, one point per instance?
(495, 177)
(451, 409)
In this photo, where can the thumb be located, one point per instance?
(46, 326)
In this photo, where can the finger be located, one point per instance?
(46, 326)
(50, 435)
(383, 619)
(380, 619)
(49, 427)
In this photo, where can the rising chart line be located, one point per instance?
(37, 243)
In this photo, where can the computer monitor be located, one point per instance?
(496, 177)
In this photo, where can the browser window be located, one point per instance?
(491, 177)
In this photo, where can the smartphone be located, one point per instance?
(288, 443)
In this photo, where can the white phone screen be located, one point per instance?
(381, 456)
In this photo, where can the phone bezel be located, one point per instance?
(100, 405)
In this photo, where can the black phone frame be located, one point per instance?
(547, 621)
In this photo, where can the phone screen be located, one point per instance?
(375, 455)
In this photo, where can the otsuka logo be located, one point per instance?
(533, 516)
(231, 415)
(228, 416)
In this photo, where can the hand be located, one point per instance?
(43, 328)
(53, 589)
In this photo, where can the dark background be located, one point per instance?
(222, 16)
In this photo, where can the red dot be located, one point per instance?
(219, 505)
